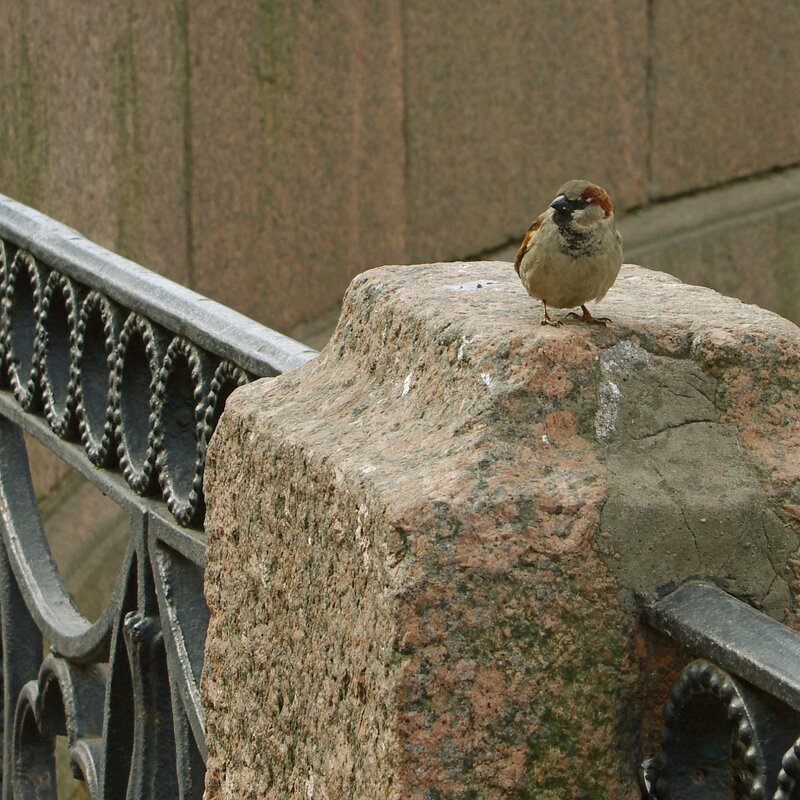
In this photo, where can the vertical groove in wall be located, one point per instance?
(650, 99)
(357, 76)
(130, 155)
(28, 113)
(406, 159)
(181, 9)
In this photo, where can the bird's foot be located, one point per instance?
(587, 317)
(555, 323)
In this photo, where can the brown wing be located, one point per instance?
(527, 241)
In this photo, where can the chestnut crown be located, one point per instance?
(579, 194)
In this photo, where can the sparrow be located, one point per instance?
(573, 252)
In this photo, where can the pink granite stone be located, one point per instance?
(426, 545)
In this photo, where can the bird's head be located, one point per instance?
(581, 203)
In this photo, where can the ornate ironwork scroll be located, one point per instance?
(124, 375)
(731, 726)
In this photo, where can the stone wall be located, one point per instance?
(264, 153)
(427, 546)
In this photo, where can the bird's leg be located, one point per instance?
(587, 317)
(548, 320)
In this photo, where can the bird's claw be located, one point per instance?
(555, 323)
(587, 317)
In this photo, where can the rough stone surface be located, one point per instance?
(425, 546)
(683, 498)
(730, 257)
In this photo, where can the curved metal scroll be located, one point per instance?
(124, 375)
(721, 738)
(731, 725)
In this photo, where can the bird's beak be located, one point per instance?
(560, 204)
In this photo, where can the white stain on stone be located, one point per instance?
(407, 384)
(362, 541)
(469, 286)
(617, 362)
(310, 786)
(545, 440)
(264, 575)
(623, 357)
(605, 420)
(462, 349)
(367, 469)
(486, 377)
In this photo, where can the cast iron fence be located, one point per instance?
(123, 374)
(731, 728)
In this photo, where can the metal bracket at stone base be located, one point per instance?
(731, 727)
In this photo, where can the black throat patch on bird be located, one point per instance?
(577, 240)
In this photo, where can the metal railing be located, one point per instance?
(731, 726)
(123, 374)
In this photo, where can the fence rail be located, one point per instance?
(123, 374)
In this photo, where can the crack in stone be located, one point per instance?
(769, 588)
(691, 393)
(768, 550)
(688, 526)
(678, 425)
(670, 493)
